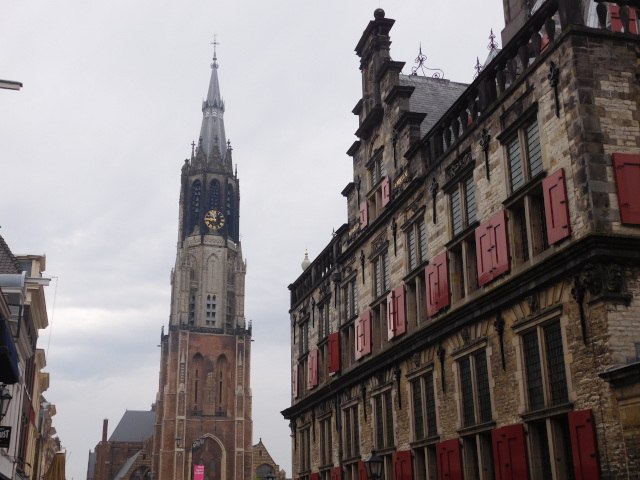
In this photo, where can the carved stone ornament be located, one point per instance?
(415, 358)
(458, 164)
(592, 279)
(464, 333)
(378, 242)
(324, 289)
(613, 278)
(532, 301)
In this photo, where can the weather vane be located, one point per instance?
(215, 43)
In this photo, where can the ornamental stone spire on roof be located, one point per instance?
(212, 130)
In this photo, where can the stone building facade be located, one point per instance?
(477, 317)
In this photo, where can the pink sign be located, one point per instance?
(198, 472)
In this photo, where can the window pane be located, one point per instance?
(468, 413)
(389, 418)
(347, 433)
(533, 370)
(515, 164)
(456, 212)
(422, 228)
(379, 423)
(533, 149)
(355, 298)
(470, 199)
(418, 414)
(386, 272)
(431, 405)
(356, 430)
(411, 240)
(555, 364)
(376, 272)
(484, 397)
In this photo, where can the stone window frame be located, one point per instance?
(416, 292)
(352, 406)
(538, 322)
(547, 427)
(420, 375)
(525, 204)
(325, 442)
(304, 450)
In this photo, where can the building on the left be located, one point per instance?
(28, 441)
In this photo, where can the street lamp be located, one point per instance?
(197, 443)
(178, 441)
(373, 465)
(5, 398)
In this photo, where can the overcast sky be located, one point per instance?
(91, 150)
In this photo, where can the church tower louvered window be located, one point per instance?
(196, 191)
(214, 195)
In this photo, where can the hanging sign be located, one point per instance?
(5, 437)
(198, 472)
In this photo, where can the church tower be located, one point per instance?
(203, 408)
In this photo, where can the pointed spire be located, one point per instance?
(212, 130)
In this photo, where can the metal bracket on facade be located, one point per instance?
(363, 394)
(358, 184)
(394, 232)
(578, 292)
(398, 373)
(362, 264)
(434, 191)
(484, 143)
(554, 75)
(313, 312)
(499, 324)
(394, 140)
(441, 353)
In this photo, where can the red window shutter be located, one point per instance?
(483, 253)
(391, 315)
(616, 23)
(312, 380)
(401, 310)
(402, 465)
(336, 473)
(364, 214)
(627, 170)
(334, 353)
(584, 445)
(492, 248)
(314, 476)
(366, 328)
(431, 281)
(386, 191)
(362, 471)
(501, 255)
(295, 381)
(556, 207)
(442, 266)
(510, 453)
(437, 281)
(449, 460)
(359, 340)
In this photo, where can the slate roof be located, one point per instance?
(8, 262)
(432, 96)
(134, 426)
(126, 466)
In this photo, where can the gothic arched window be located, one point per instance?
(196, 191)
(214, 195)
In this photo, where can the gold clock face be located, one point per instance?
(214, 220)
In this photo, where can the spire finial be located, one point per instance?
(215, 43)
